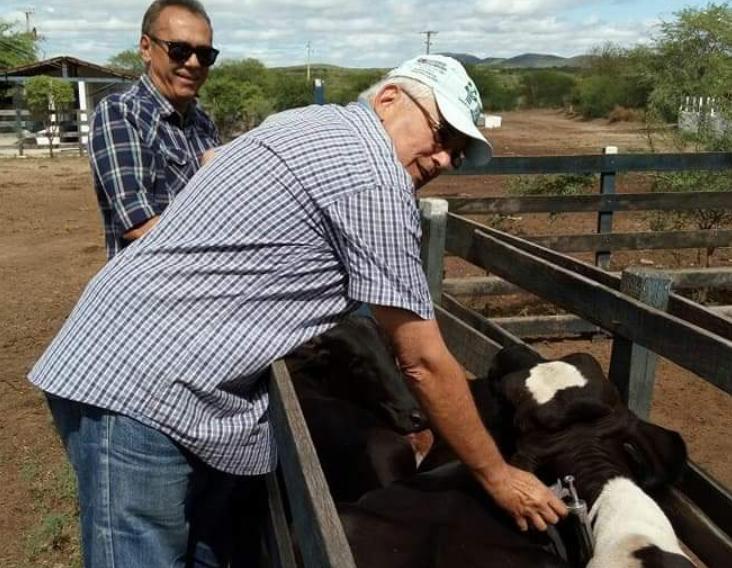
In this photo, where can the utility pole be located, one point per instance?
(308, 48)
(28, 13)
(428, 39)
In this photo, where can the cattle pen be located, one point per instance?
(639, 308)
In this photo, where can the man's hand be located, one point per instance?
(207, 156)
(525, 498)
(137, 232)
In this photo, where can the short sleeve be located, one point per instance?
(122, 164)
(376, 232)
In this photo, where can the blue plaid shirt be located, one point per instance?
(287, 230)
(143, 152)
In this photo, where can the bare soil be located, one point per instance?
(51, 244)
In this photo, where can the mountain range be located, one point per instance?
(525, 60)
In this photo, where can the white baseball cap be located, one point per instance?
(457, 98)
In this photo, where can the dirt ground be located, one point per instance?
(51, 244)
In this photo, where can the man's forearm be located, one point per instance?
(445, 397)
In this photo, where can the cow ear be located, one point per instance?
(513, 358)
(658, 455)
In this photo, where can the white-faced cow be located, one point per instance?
(569, 420)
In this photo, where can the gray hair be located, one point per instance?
(153, 12)
(418, 90)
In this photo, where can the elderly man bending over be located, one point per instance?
(157, 387)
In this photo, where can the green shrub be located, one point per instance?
(547, 88)
(562, 184)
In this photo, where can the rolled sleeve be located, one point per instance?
(377, 233)
(122, 164)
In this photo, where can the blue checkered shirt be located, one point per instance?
(143, 153)
(288, 229)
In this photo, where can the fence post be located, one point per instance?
(605, 217)
(632, 367)
(18, 104)
(434, 226)
(319, 92)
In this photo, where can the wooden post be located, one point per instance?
(17, 103)
(434, 226)
(277, 533)
(632, 367)
(318, 530)
(605, 218)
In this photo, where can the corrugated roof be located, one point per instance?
(57, 62)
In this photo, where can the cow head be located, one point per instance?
(362, 368)
(550, 395)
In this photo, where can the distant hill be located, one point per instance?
(465, 58)
(523, 61)
(534, 61)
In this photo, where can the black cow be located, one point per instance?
(439, 519)
(357, 407)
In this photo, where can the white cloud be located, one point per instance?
(366, 33)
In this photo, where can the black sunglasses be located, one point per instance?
(180, 51)
(445, 134)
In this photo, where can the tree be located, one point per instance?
(614, 77)
(128, 61)
(16, 47)
(235, 105)
(46, 97)
(291, 91)
(692, 55)
(546, 88)
(498, 90)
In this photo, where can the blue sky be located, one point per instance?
(358, 33)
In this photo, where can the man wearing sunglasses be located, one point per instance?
(295, 224)
(145, 144)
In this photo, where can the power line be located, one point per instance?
(428, 39)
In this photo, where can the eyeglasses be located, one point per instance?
(180, 51)
(446, 136)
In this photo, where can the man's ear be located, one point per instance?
(145, 46)
(385, 99)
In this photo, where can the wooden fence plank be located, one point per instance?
(718, 278)
(459, 241)
(694, 527)
(590, 203)
(473, 349)
(563, 325)
(479, 286)
(488, 327)
(279, 542)
(504, 165)
(541, 327)
(714, 499)
(636, 241)
(319, 532)
(669, 336)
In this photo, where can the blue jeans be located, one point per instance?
(147, 502)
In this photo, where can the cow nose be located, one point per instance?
(418, 419)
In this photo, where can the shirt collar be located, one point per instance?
(165, 106)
